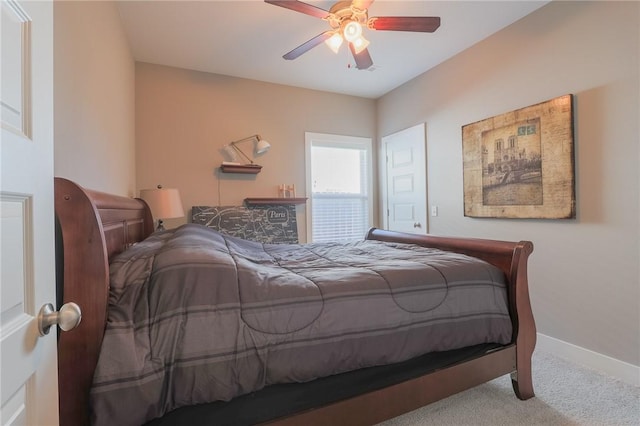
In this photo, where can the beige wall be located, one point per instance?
(183, 119)
(584, 272)
(94, 79)
(584, 275)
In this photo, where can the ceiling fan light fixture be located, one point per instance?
(346, 19)
(352, 31)
(360, 44)
(334, 42)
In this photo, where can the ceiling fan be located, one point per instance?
(347, 19)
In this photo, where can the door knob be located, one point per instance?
(67, 318)
(417, 225)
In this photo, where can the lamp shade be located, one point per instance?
(262, 146)
(352, 30)
(165, 203)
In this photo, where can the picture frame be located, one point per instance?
(521, 164)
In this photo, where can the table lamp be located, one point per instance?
(165, 203)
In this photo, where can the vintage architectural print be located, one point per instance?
(521, 164)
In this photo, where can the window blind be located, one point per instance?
(340, 211)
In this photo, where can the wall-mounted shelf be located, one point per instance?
(240, 168)
(274, 200)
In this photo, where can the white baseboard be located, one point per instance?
(621, 370)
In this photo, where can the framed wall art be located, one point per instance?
(521, 164)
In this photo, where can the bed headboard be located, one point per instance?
(95, 226)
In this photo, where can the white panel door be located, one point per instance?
(29, 386)
(406, 180)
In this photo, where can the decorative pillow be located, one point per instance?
(264, 224)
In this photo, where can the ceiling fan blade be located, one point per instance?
(308, 45)
(426, 24)
(363, 59)
(301, 7)
(361, 4)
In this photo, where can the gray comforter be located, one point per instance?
(196, 316)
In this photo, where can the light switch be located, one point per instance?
(434, 210)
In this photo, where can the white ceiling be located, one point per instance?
(247, 38)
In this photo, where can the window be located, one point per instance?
(339, 185)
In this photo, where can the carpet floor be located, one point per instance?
(566, 394)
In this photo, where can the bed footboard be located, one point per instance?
(512, 258)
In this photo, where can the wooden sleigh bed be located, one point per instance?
(93, 227)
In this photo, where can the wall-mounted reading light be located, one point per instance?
(232, 150)
(165, 203)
